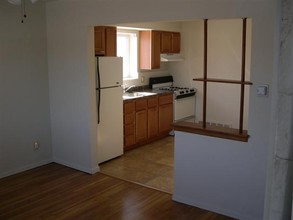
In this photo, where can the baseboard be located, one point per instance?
(77, 167)
(25, 168)
(96, 169)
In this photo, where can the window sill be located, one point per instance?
(129, 79)
(211, 130)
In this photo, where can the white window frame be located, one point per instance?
(130, 56)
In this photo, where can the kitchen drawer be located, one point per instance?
(153, 101)
(140, 104)
(129, 107)
(165, 99)
(129, 118)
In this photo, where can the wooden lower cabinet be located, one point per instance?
(129, 124)
(153, 117)
(147, 119)
(129, 138)
(140, 120)
(165, 113)
(141, 133)
(165, 118)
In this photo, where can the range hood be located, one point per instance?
(171, 57)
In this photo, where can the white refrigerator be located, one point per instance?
(109, 78)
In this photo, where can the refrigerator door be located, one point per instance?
(110, 128)
(109, 71)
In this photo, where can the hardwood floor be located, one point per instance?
(57, 192)
(150, 165)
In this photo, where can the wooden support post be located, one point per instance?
(242, 75)
(205, 73)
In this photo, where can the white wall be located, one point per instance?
(24, 95)
(72, 91)
(225, 176)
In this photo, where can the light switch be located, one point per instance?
(262, 90)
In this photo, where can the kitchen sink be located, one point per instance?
(133, 95)
(145, 93)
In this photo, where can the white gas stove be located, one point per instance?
(184, 98)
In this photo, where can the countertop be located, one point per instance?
(143, 93)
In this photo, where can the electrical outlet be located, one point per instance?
(36, 145)
(142, 79)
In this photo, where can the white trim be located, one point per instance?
(25, 168)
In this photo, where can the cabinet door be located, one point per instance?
(141, 126)
(140, 119)
(170, 42)
(111, 41)
(152, 122)
(165, 113)
(129, 124)
(175, 42)
(105, 41)
(129, 136)
(165, 118)
(149, 49)
(153, 116)
(166, 42)
(100, 40)
(156, 55)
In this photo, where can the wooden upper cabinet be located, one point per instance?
(105, 41)
(176, 42)
(166, 42)
(170, 42)
(153, 43)
(149, 49)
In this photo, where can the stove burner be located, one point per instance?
(166, 83)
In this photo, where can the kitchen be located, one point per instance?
(227, 31)
(221, 65)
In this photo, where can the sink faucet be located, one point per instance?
(126, 89)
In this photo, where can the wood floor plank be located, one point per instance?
(57, 192)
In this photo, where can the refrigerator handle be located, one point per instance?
(98, 91)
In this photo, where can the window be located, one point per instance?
(127, 48)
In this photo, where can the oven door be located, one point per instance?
(184, 108)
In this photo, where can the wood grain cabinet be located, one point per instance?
(170, 42)
(129, 124)
(147, 119)
(149, 49)
(105, 41)
(153, 117)
(153, 43)
(165, 113)
(140, 120)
